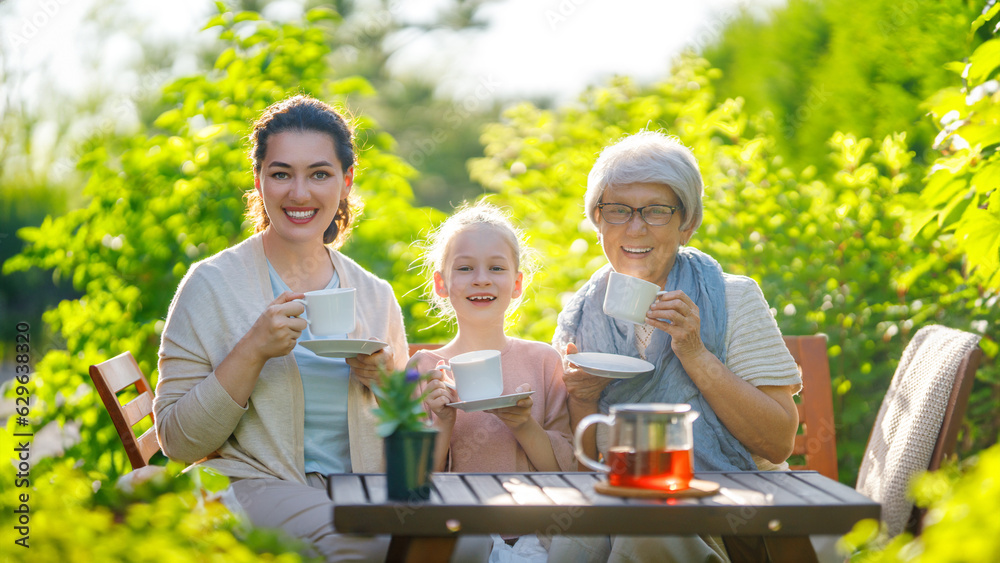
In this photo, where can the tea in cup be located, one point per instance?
(477, 375)
(629, 298)
(330, 311)
(651, 445)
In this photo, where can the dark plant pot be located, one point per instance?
(409, 460)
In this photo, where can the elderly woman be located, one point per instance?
(710, 336)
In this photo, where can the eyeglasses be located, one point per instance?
(619, 213)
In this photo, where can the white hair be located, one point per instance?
(648, 157)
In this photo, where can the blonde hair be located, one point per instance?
(437, 249)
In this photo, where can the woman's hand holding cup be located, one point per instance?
(676, 314)
(277, 329)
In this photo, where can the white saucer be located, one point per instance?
(610, 365)
(491, 403)
(342, 347)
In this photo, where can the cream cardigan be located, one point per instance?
(216, 304)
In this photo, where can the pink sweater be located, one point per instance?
(480, 442)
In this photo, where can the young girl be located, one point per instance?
(476, 262)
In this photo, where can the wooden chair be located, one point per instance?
(917, 425)
(111, 377)
(817, 439)
(414, 348)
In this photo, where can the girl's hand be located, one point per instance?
(368, 368)
(515, 417)
(582, 387)
(681, 320)
(277, 329)
(437, 398)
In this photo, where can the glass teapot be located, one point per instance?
(650, 445)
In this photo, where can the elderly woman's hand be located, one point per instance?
(368, 368)
(674, 313)
(582, 386)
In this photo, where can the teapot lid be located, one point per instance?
(651, 408)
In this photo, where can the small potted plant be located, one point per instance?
(409, 441)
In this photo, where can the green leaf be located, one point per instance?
(211, 480)
(215, 21)
(955, 209)
(322, 13)
(987, 178)
(923, 219)
(246, 16)
(210, 131)
(986, 16)
(958, 67)
(227, 56)
(984, 61)
(979, 233)
(982, 135)
(386, 428)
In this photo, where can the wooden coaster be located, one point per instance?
(698, 488)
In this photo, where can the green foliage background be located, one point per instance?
(854, 66)
(855, 219)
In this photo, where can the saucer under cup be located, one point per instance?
(477, 375)
(629, 298)
(330, 311)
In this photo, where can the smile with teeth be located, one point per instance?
(482, 298)
(637, 249)
(300, 214)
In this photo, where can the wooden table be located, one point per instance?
(759, 513)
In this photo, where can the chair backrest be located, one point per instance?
(917, 424)
(414, 348)
(817, 439)
(111, 377)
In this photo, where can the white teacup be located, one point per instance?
(477, 375)
(629, 298)
(330, 311)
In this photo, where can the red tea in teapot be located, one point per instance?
(664, 470)
(649, 445)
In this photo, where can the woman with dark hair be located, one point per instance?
(237, 392)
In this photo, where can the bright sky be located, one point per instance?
(531, 48)
(558, 47)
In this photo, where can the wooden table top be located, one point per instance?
(757, 503)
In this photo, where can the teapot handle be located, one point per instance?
(578, 440)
